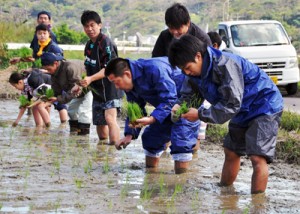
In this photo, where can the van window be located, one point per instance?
(258, 34)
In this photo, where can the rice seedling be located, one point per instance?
(146, 191)
(194, 102)
(25, 52)
(80, 206)
(195, 200)
(55, 204)
(88, 167)
(246, 210)
(37, 63)
(78, 183)
(24, 102)
(182, 110)
(125, 187)
(106, 167)
(134, 112)
(88, 88)
(162, 186)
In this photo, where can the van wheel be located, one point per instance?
(292, 88)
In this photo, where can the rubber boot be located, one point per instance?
(73, 125)
(83, 128)
(181, 167)
(151, 162)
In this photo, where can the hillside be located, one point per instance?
(125, 18)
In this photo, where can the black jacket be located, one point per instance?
(97, 55)
(165, 38)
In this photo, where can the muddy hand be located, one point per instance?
(76, 91)
(135, 125)
(124, 142)
(121, 145)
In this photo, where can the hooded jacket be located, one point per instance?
(236, 88)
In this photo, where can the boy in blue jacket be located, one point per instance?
(154, 81)
(238, 91)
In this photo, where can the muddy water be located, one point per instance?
(51, 171)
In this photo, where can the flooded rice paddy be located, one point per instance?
(51, 171)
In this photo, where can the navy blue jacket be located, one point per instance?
(154, 82)
(236, 88)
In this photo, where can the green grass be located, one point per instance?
(290, 121)
(289, 148)
(131, 55)
(288, 143)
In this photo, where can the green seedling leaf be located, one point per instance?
(134, 111)
(25, 52)
(24, 102)
(182, 110)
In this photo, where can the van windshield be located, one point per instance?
(261, 34)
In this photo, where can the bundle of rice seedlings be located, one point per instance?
(134, 112)
(24, 102)
(182, 110)
(25, 52)
(49, 93)
(38, 63)
(89, 88)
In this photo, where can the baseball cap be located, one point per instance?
(49, 58)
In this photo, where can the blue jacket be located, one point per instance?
(237, 89)
(154, 82)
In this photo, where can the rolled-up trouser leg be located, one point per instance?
(155, 136)
(85, 109)
(183, 138)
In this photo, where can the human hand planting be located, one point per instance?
(124, 142)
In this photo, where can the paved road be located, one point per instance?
(292, 104)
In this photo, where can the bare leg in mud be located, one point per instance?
(260, 174)
(231, 168)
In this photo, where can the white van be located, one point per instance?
(265, 43)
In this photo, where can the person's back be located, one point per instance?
(37, 78)
(178, 21)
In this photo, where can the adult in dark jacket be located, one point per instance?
(43, 17)
(154, 81)
(178, 21)
(239, 91)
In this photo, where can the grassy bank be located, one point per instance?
(288, 143)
